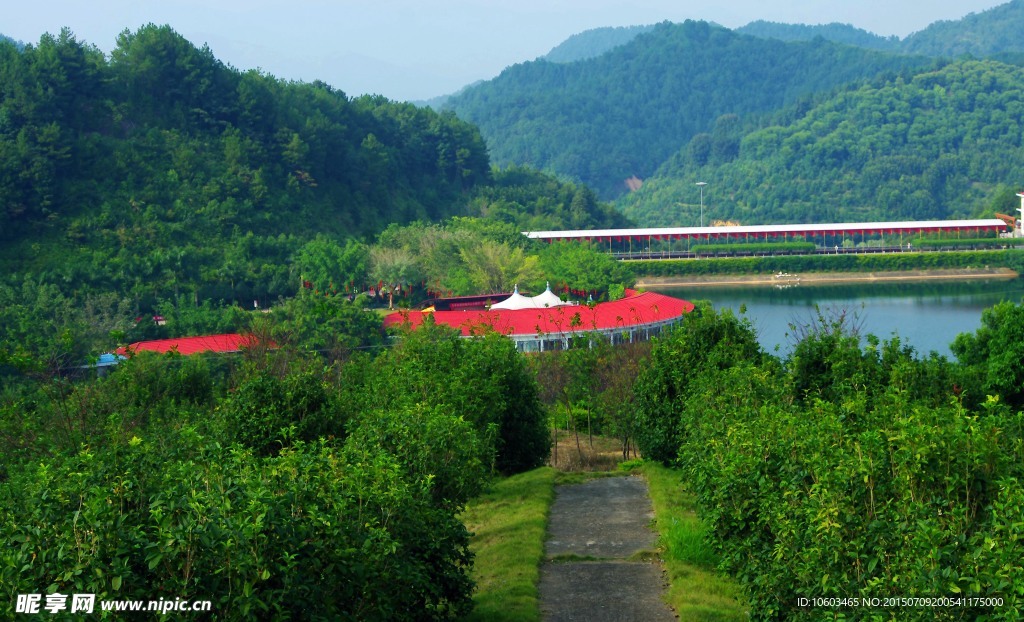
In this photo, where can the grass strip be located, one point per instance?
(509, 524)
(697, 591)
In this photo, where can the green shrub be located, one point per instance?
(484, 380)
(854, 470)
(314, 533)
(266, 413)
(705, 339)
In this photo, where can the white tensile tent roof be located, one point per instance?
(548, 299)
(541, 301)
(515, 301)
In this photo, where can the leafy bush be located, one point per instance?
(314, 533)
(852, 471)
(705, 340)
(483, 380)
(266, 413)
(432, 446)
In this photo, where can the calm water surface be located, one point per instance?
(926, 315)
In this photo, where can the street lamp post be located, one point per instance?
(701, 184)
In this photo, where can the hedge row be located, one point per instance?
(755, 247)
(874, 262)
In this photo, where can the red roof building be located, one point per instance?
(633, 318)
(232, 342)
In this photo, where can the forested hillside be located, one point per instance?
(160, 171)
(943, 144)
(991, 32)
(620, 115)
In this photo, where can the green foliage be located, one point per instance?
(166, 170)
(622, 114)
(467, 256)
(315, 533)
(432, 445)
(534, 201)
(995, 353)
(943, 143)
(326, 323)
(184, 318)
(584, 269)
(44, 333)
(833, 263)
(266, 413)
(483, 380)
(981, 34)
(593, 42)
(849, 471)
(754, 248)
(705, 340)
(970, 243)
(838, 33)
(328, 265)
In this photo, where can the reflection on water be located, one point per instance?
(927, 315)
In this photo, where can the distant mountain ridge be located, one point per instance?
(603, 118)
(621, 114)
(985, 34)
(835, 32)
(593, 43)
(989, 33)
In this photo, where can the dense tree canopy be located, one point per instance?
(162, 174)
(607, 119)
(940, 144)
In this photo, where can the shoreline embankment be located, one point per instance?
(716, 280)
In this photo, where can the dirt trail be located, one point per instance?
(594, 530)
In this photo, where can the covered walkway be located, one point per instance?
(777, 233)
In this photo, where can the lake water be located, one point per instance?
(927, 315)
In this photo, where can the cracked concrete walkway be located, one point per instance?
(605, 522)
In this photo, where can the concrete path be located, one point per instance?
(604, 521)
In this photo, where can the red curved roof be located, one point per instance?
(232, 342)
(632, 311)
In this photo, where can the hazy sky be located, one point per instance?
(417, 49)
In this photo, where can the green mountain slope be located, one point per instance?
(162, 171)
(991, 32)
(943, 144)
(620, 115)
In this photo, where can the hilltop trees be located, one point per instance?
(167, 176)
(936, 145)
(606, 119)
(163, 168)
